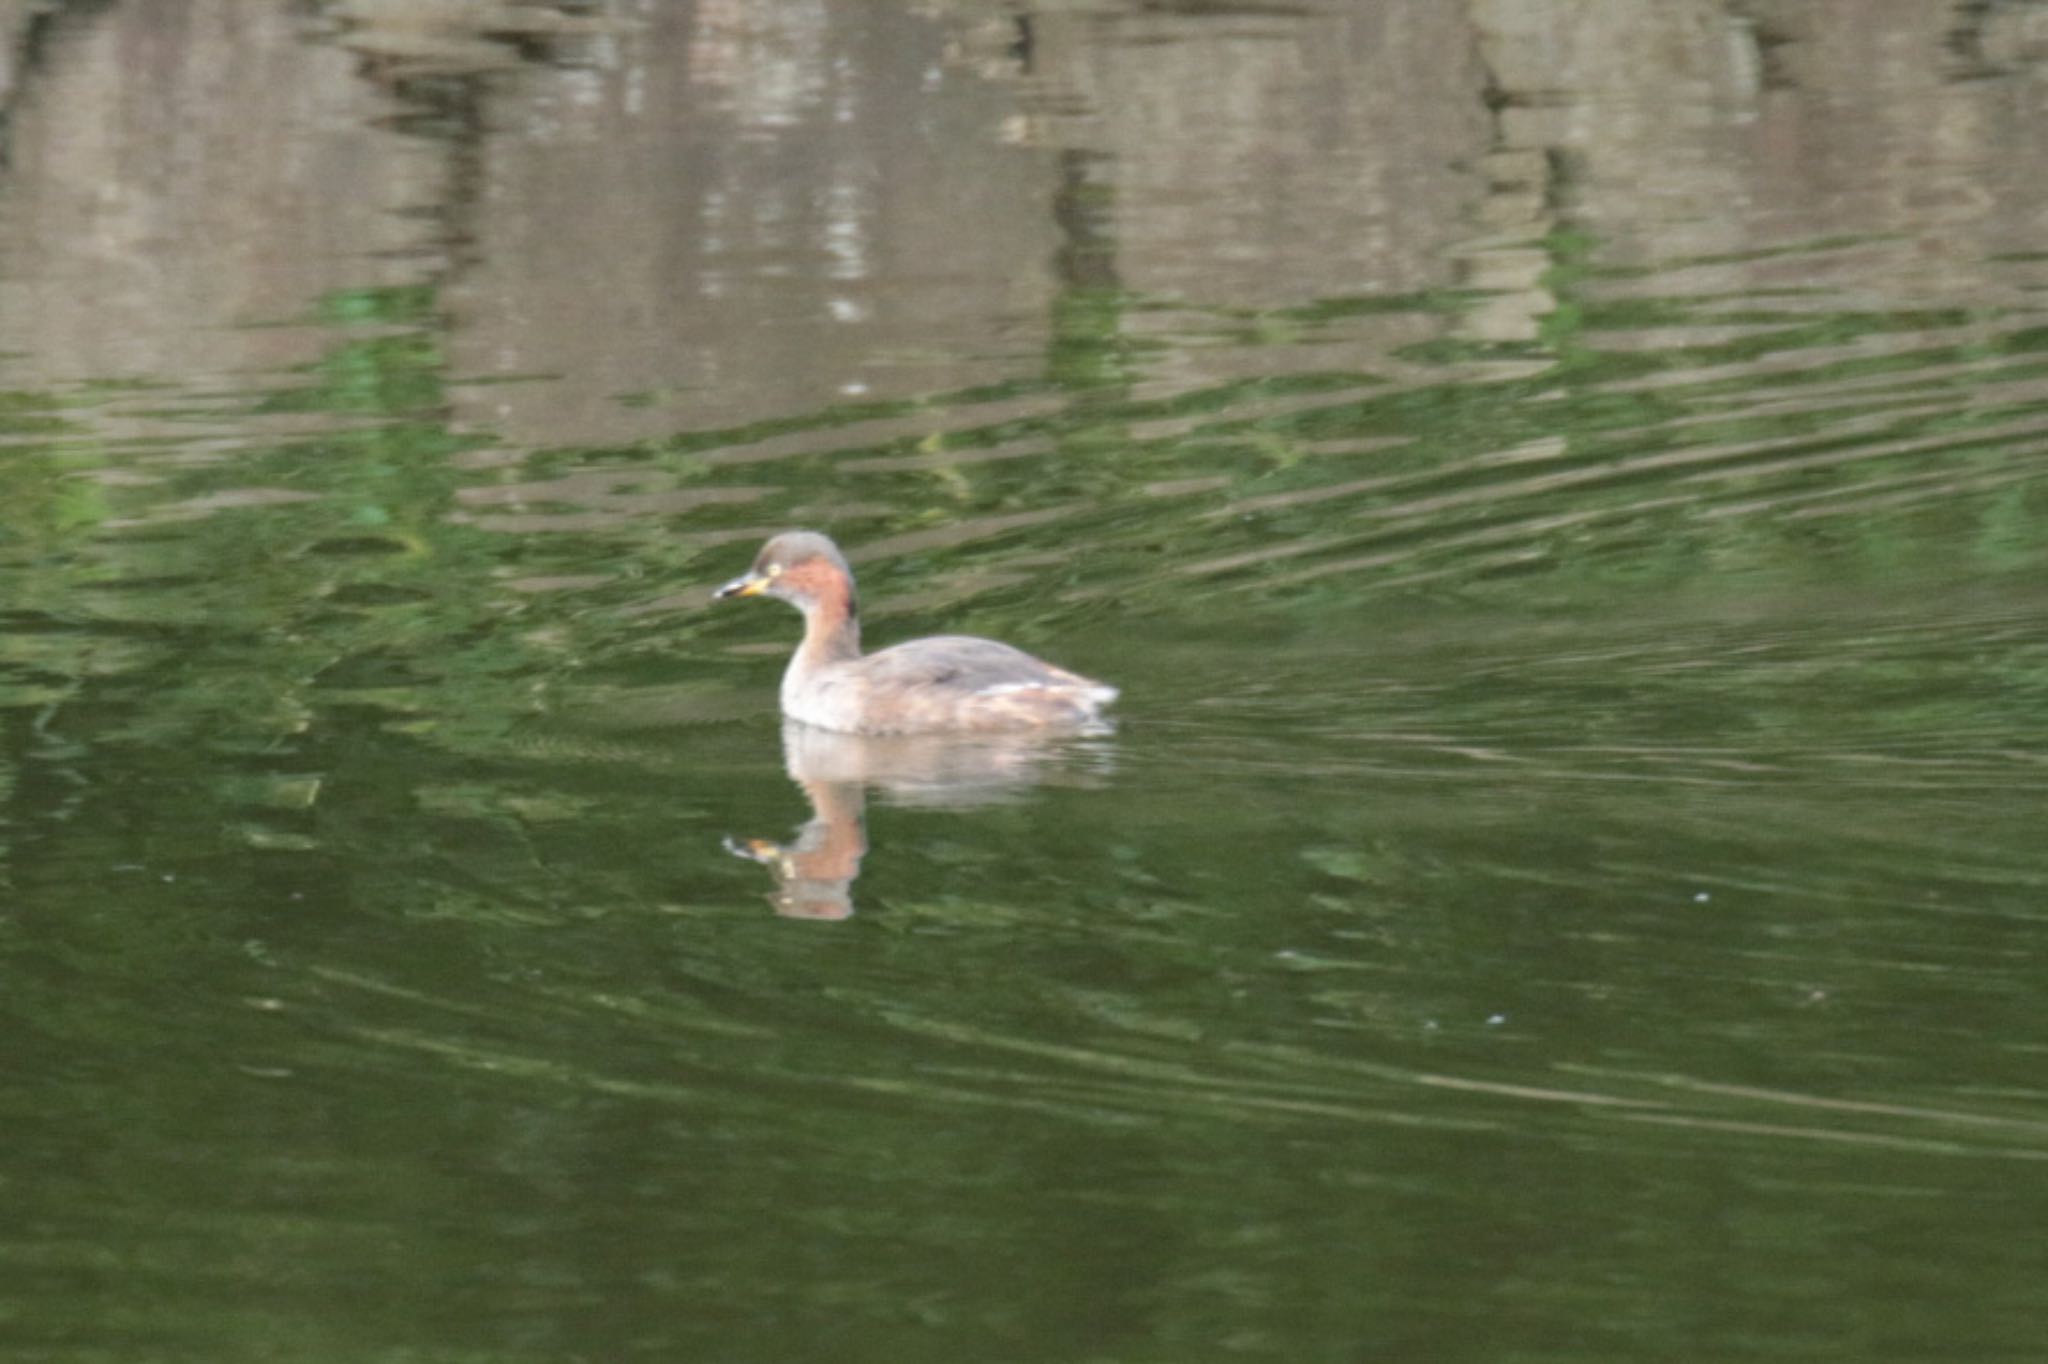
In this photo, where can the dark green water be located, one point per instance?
(1568, 883)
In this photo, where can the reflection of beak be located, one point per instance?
(761, 850)
(749, 585)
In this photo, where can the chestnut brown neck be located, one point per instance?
(831, 617)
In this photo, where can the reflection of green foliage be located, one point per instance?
(1089, 350)
(1327, 310)
(1621, 411)
(838, 416)
(36, 416)
(373, 601)
(42, 500)
(383, 375)
(245, 623)
(409, 305)
(398, 371)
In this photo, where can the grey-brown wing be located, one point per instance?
(961, 662)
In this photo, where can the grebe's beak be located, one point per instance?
(746, 585)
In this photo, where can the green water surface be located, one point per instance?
(1568, 882)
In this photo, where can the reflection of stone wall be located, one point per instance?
(1883, 136)
(1640, 106)
(729, 211)
(1702, 126)
(181, 169)
(1255, 160)
(748, 211)
(1271, 159)
(15, 18)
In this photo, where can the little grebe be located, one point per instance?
(948, 683)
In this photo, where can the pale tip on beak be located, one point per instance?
(748, 586)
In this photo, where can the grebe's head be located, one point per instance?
(801, 567)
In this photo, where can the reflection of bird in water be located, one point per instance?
(814, 873)
(944, 684)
